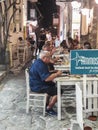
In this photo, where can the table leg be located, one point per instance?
(59, 100)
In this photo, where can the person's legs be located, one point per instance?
(49, 108)
(51, 94)
(52, 102)
(47, 96)
(51, 98)
(48, 100)
(52, 91)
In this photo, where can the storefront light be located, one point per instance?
(96, 1)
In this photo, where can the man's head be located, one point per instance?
(46, 46)
(45, 56)
(87, 45)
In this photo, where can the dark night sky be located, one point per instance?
(47, 8)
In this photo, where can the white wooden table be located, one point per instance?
(89, 88)
(61, 55)
(64, 81)
(62, 67)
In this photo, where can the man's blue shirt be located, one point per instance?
(38, 73)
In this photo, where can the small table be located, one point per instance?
(65, 81)
(62, 67)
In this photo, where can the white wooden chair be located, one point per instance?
(90, 95)
(34, 99)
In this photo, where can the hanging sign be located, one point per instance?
(84, 62)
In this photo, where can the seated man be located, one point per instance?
(41, 81)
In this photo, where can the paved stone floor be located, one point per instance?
(2, 74)
(13, 107)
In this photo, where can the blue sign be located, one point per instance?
(84, 61)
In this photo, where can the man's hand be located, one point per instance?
(54, 75)
(59, 72)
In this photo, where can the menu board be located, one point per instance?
(84, 61)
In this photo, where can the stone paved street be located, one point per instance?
(13, 107)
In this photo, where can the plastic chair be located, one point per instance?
(34, 99)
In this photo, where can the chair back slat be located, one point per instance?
(27, 80)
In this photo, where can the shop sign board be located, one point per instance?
(84, 61)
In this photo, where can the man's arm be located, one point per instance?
(52, 76)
